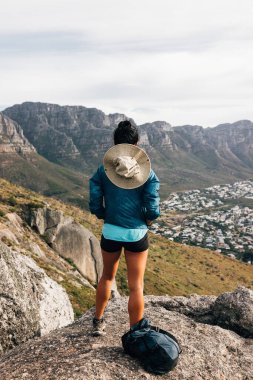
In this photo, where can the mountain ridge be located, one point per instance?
(184, 157)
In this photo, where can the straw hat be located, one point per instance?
(127, 166)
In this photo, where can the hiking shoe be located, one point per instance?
(98, 327)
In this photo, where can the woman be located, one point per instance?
(125, 193)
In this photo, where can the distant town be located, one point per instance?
(218, 217)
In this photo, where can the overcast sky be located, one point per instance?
(182, 61)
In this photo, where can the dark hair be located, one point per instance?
(126, 133)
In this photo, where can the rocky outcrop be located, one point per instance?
(209, 352)
(12, 229)
(12, 139)
(235, 310)
(31, 304)
(70, 240)
(232, 310)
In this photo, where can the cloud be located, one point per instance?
(61, 41)
(42, 42)
(175, 60)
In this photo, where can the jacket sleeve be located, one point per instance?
(96, 196)
(151, 197)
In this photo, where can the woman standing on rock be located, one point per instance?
(125, 193)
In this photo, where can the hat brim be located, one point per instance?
(127, 150)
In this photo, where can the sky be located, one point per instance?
(181, 61)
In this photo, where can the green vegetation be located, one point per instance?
(71, 262)
(176, 269)
(48, 178)
(12, 201)
(34, 205)
(248, 256)
(82, 298)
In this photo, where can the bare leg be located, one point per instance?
(111, 263)
(136, 264)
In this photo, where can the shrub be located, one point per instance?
(33, 205)
(71, 262)
(12, 201)
(2, 213)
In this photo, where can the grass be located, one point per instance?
(47, 178)
(2, 213)
(176, 269)
(82, 298)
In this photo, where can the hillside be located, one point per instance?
(172, 269)
(20, 163)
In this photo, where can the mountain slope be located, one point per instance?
(21, 164)
(184, 157)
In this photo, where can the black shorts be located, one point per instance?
(135, 246)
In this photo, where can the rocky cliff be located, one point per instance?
(20, 163)
(72, 135)
(204, 325)
(223, 145)
(12, 139)
(184, 157)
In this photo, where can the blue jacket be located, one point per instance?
(129, 208)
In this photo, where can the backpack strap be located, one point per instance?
(156, 328)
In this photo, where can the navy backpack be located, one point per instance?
(157, 350)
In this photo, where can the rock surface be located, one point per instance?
(31, 304)
(209, 351)
(20, 163)
(70, 240)
(66, 134)
(230, 310)
(12, 139)
(236, 311)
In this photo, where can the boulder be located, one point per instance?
(209, 352)
(232, 310)
(31, 304)
(235, 310)
(197, 307)
(72, 241)
(77, 243)
(47, 221)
